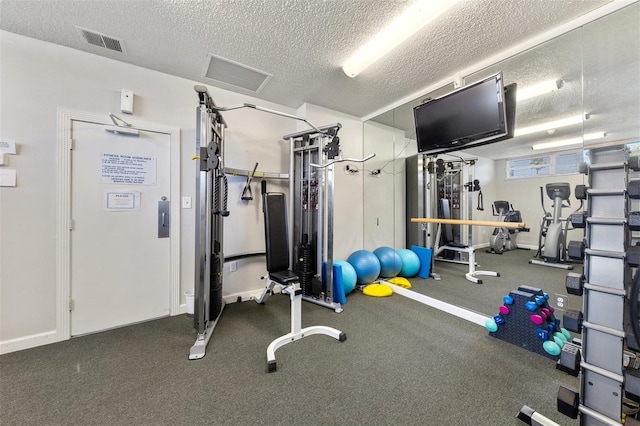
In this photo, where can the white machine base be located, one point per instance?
(471, 254)
(551, 265)
(473, 273)
(297, 333)
(337, 307)
(199, 348)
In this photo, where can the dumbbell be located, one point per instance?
(581, 192)
(633, 256)
(575, 250)
(633, 221)
(578, 220)
(633, 189)
(569, 361)
(572, 320)
(574, 283)
(568, 402)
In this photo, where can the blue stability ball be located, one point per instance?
(390, 261)
(349, 276)
(410, 263)
(366, 265)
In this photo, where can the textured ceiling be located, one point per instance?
(302, 43)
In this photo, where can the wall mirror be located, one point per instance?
(593, 99)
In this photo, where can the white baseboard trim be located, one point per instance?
(28, 342)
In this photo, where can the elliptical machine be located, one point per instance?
(504, 239)
(552, 240)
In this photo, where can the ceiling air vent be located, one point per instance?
(235, 74)
(102, 40)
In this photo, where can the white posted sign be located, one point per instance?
(127, 169)
(118, 201)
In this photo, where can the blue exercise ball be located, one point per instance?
(410, 263)
(390, 262)
(349, 276)
(366, 265)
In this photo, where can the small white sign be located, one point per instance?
(118, 201)
(7, 146)
(7, 177)
(127, 169)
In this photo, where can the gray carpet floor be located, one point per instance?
(486, 298)
(403, 363)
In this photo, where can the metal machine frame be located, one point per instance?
(211, 208)
(424, 192)
(311, 184)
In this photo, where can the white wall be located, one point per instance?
(484, 171)
(524, 195)
(382, 193)
(36, 79)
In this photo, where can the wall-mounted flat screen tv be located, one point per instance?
(472, 115)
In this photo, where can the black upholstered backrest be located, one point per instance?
(275, 231)
(446, 214)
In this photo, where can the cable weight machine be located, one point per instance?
(440, 189)
(311, 183)
(211, 208)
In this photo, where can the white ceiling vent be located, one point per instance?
(98, 39)
(235, 74)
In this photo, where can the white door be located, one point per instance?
(120, 268)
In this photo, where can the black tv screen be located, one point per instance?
(473, 114)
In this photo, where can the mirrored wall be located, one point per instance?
(592, 99)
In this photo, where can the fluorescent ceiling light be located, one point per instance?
(557, 144)
(569, 121)
(404, 26)
(596, 135)
(539, 89)
(568, 142)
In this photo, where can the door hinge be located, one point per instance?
(71, 304)
(70, 144)
(72, 225)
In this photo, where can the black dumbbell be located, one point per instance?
(569, 361)
(568, 402)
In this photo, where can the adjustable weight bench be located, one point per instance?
(277, 250)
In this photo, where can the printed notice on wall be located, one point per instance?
(128, 169)
(7, 146)
(7, 177)
(120, 201)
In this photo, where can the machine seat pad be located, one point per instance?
(284, 277)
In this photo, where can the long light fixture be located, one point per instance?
(538, 89)
(550, 125)
(404, 26)
(569, 142)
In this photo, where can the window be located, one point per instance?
(546, 165)
(529, 167)
(567, 163)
